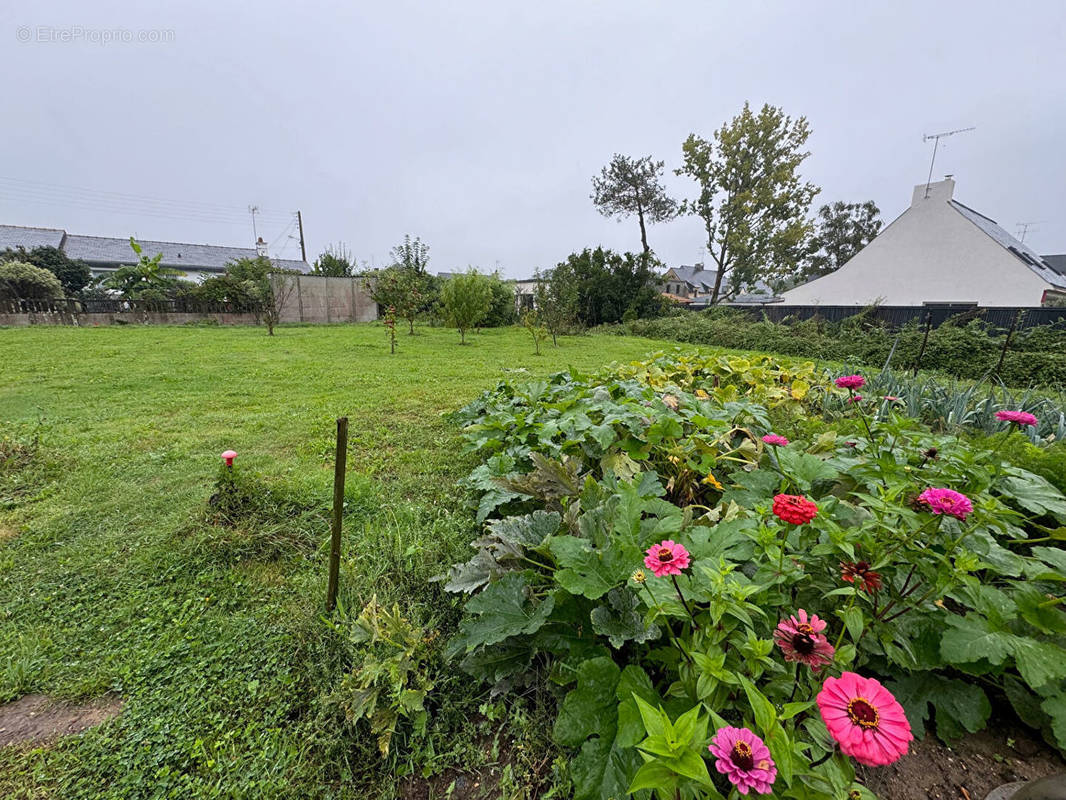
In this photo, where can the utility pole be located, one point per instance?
(253, 210)
(936, 137)
(300, 222)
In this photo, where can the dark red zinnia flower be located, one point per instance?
(859, 573)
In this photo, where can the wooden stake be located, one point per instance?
(339, 464)
(925, 339)
(1006, 342)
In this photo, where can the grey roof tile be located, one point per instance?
(1018, 249)
(14, 236)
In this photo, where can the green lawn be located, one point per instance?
(113, 580)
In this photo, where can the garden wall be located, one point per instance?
(315, 298)
(91, 319)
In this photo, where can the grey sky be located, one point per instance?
(478, 125)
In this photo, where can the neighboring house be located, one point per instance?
(105, 254)
(524, 294)
(941, 252)
(685, 283)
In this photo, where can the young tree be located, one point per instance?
(335, 262)
(630, 186)
(466, 299)
(841, 231)
(751, 199)
(274, 291)
(531, 322)
(406, 292)
(555, 300)
(72, 273)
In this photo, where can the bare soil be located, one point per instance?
(37, 718)
(969, 769)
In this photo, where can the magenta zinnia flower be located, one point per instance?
(800, 639)
(850, 382)
(775, 439)
(855, 398)
(1018, 417)
(946, 501)
(666, 558)
(865, 719)
(744, 759)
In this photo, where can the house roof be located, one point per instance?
(108, 250)
(1017, 248)
(696, 276)
(15, 236)
(179, 255)
(1057, 263)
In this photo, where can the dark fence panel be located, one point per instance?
(898, 316)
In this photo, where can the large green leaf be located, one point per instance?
(620, 620)
(960, 707)
(503, 609)
(1034, 493)
(591, 708)
(1039, 663)
(1055, 707)
(804, 469)
(590, 571)
(971, 638)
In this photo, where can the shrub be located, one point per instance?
(663, 563)
(73, 274)
(466, 300)
(19, 280)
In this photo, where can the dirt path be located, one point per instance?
(37, 718)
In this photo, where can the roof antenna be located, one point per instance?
(936, 137)
(1023, 228)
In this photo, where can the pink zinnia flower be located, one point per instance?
(855, 398)
(775, 439)
(865, 719)
(1018, 417)
(850, 381)
(744, 759)
(666, 558)
(800, 639)
(892, 398)
(946, 501)
(794, 508)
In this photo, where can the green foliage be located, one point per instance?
(147, 279)
(396, 675)
(72, 273)
(501, 303)
(555, 302)
(335, 262)
(19, 280)
(841, 231)
(751, 198)
(671, 449)
(405, 290)
(629, 186)
(968, 349)
(600, 286)
(466, 299)
(531, 322)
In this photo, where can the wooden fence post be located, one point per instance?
(339, 464)
(925, 339)
(1006, 342)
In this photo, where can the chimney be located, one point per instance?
(941, 191)
(697, 267)
(261, 247)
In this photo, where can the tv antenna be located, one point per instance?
(936, 137)
(1023, 228)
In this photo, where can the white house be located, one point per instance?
(938, 251)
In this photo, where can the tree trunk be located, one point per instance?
(717, 286)
(462, 336)
(643, 232)
(411, 322)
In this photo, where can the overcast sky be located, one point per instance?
(478, 125)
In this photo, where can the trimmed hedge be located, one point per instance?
(1036, 356)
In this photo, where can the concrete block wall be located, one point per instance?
(318, 299)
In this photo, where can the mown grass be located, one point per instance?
(114, 579)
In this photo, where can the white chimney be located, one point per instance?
(941, 191)
(261, 247)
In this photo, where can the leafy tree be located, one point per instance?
(606, 287)
(841, 231)
(253, 284)
(147, 275)
(407, 292)
(412, 255)
(630, 186)
(555, 302)
(466, 299)
(19, 280)
(502, 310)
(751, 199)
(532, 323)
(335, 262)
(72, 273)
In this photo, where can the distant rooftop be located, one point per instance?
(1016, 247)
(107, 252)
